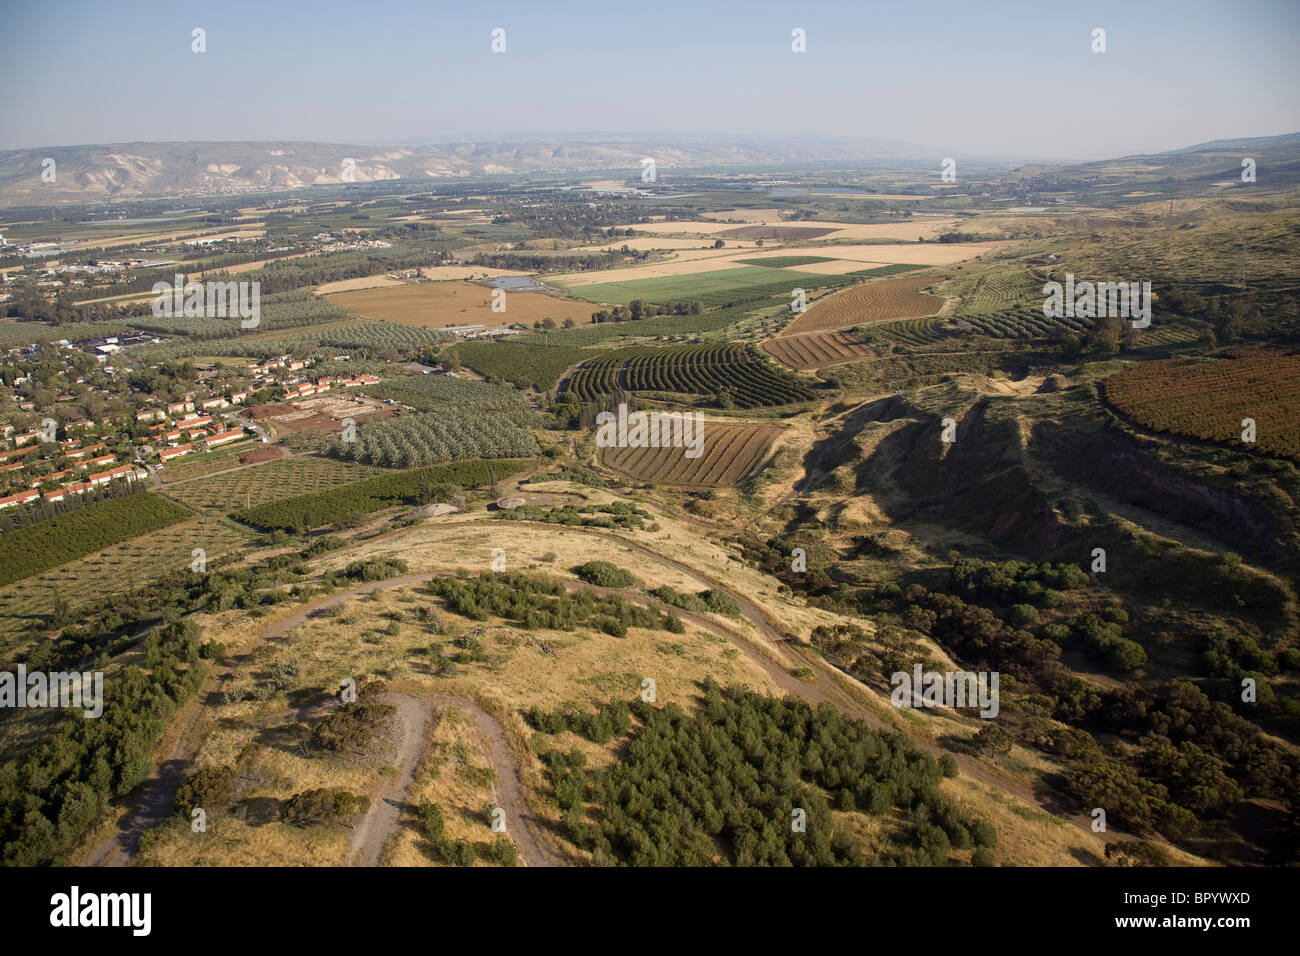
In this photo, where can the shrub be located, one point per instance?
(604, 574)
(322, 805)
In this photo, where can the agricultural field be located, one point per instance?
(438, 305)
(128, 564)
(373, 494)
(195, 464)
(733, 372)
(1207, 400)
(731, 451)
(998, 290)
(817, 349)
(267, 482)
(63, 538)
(434, 438)
(872, 302)
(784, 262)
(429, 393)
(711, 288)
(526, 366)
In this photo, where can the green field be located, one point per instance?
(76, 534)
(785, 262)
(122, 566)
(710, 288)
(889, 270)
(373, 494)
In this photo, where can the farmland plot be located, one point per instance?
(268, 482)
(885, 299)
(731, 451)
(817, 349)
(1208, 400)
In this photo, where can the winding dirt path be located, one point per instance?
(155, 799)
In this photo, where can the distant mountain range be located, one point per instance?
(164, 170)
(92, 174)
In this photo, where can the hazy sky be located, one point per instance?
(975, 77)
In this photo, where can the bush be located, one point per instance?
(502, 851)
(604, 575)
(322, 805)
(1022, 615)
(210, 789)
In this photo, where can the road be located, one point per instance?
(154, 800)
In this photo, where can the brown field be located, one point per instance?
(884, 299)
(731, 450)
(438, 305)
(320, 414)
(778, 232)
(817, 349)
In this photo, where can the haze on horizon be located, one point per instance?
(1003, 79)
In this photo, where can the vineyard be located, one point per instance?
(913, 332)
(434, 438)
(268, 482)
(1207, 400)
(67, 537)
(1023, 323)
(731, 451)
(817, 349)
(1000, 290)
(884, 299)
(730, 370)
(373, 494)
(660, 325)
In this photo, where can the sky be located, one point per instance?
(994, 78)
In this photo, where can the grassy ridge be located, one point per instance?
(372, 494)
(67, 537)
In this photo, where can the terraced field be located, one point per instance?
(873, 302)
(817, 349)
(1001, 289)
(913, 332)
(731, 451)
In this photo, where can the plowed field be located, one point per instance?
(885, 299)
(731, 451)
(817, 349)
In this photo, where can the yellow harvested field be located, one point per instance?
(439, 273)
(921, 254)
(438, 305)
(646, 243)
(354, 285)
(901, 231)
